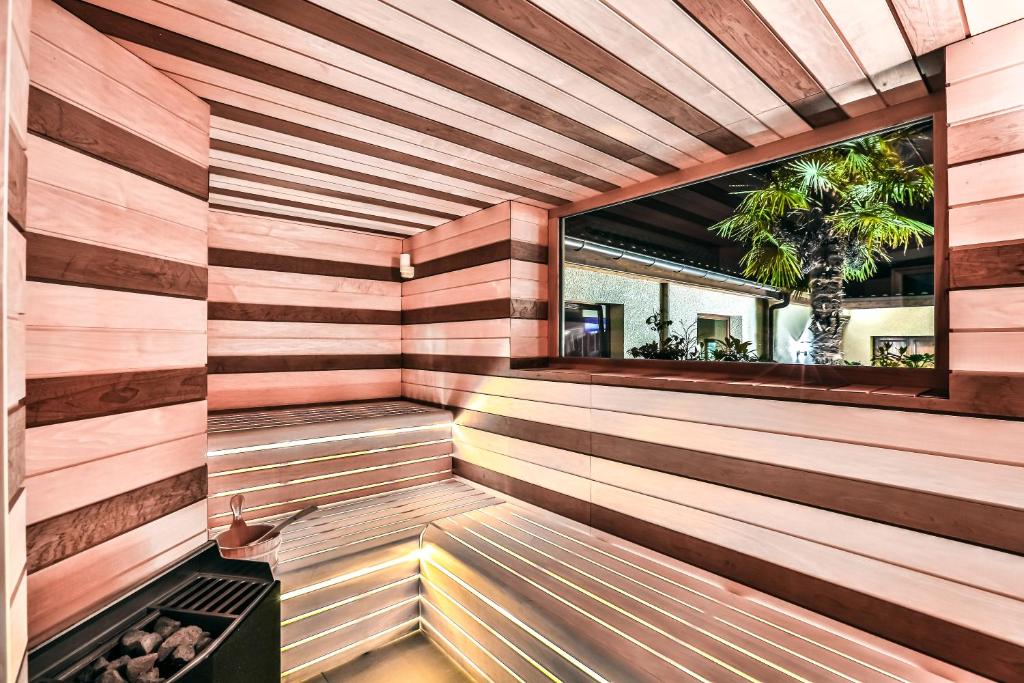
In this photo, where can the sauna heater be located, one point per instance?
(234, 603)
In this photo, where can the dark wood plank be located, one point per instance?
(559, 503)
(745, 34)
(566, 438)
(316, 135)
(15, 453)
(995, 265)
(309, 206)
(303, 219)
(534, 25)
(977, 523)
(474, 365)
(58, 538)
(220, 365)
(253, 260)
(51, 400)
(54, 259)
(63, 122)
(478, 256)
(932, 635)
(17, 179)
(120, 26)
(327, 169)
(478, 310)
(988, 394)
(227, 310)
(327, 192)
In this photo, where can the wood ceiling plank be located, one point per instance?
(263, 206)
(226, 117)
(744, 33)
(984, 15)
(545, 31)
(874, 37)
(384, 34)
(681, 35)
(930, 24)
(805, 29)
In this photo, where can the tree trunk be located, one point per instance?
(826, 291)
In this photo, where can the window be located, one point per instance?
(824, 258)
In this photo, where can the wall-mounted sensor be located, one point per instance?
(405, 268)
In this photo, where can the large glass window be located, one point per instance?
(824, 258)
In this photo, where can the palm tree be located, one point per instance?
(830, 216)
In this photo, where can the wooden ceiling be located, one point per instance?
(394, 116)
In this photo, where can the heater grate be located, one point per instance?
(214, 595)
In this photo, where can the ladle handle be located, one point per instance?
(236, 506)
(283, 523)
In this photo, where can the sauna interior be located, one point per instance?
(595, 340)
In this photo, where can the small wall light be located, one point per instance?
(405, 268)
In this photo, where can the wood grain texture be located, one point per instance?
(477, 310)
(987, 266)
(52, 400)
(61, 537)
(223, 310)
(15, 455)
(54, 259)
(297, 264)
(68, 124)
(219, 365)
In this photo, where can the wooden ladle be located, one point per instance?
(285, 522)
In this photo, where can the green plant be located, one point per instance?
(672, 346)
(885, 357)
(733, 349)
(830, 216)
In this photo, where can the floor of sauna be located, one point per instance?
(413, 658)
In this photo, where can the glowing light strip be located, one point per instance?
(639, 600)
(583, 611)
(467, 634)
(322, 439)
(727, 605)
(324, 458)
(521, 624)
(342, 578)
(348, 600)
(449, 647)
(332, 493)
(351, 646)
(352, 622)
(358, 540)
(329, 475)
(786, 649)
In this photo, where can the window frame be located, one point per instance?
(932, 381)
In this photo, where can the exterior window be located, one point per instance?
(823, 258)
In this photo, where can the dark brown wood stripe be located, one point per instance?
(995, 265)
(536, 26)
(17, 179)
(15, 453)
(750, 40)
(225, 310)
(156, 38)
(327, 192)
(478, 310)
(342, 142)
(566, 438)
(324, 23)
(989, 393)
(64, 122)
(488, 253)
(233, 258)
(54, 259)
(50, 400)
(965, 520)
(945, 640)
(303, 219)
(317, 207)
(222, 365)
(559, 503)
(327, 169)
(58, 538)
(474, 365)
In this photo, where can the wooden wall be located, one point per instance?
(300, 313)
(478, 301)
(14, 53)
(986, 200)
(116, 323)
(900, 523)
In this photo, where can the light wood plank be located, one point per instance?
(59, 306)
(987, 180)
(299, 346)
(498, 289)
(497, 348)
(981, 54)
(998, 352)
(993, 221)
(221, 275)
(930, 24)
(245, 329)
(77, 351)
(985, 16)
(985, 95)
(285, 388)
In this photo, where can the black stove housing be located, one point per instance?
(238, 602)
